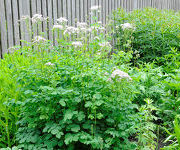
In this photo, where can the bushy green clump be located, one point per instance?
(73, 104)
(154, 32)
(13, 68)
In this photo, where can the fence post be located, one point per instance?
(3, 28)
(135, 4)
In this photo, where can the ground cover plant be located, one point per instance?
(83, 94)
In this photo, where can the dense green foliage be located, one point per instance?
(156, 31)
(80, 95)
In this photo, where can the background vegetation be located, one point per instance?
(84, 94)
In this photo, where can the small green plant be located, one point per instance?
(174, 138)
(147, 139)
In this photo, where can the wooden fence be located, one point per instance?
(13, 31)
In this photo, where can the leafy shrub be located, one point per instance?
(13, 68)
(156, 31)
(71, 104)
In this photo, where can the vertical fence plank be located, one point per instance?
(69, 12)
(33, 7)
(9, 23)
(39, 11)
(3, 32)
(99, 14)
(44, 13)
(118, 3)
(77, 11)
(87, 9)
(107, 11)
(16, 22)
(93, 3)
(112, 6)
(33, 12)
(60, 8)
(103, 13)
(135, 4)
(81, 10)
(73, 12)
(25, 26)
(60, 13)
(54, 9)
(50, 21)
(122, 4)
(64, 8)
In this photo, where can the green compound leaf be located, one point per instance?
(97, 96)
(75, 128)
(59, 134)
(81, 116)
(99, 103)
(62, 102)
(68, 115)
(68, 138)
(88, 104)
(55, 131)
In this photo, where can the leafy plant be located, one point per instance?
(156, 32)
(147, 139)
(72, 104)
(175, 144)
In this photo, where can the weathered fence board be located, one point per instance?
(16, 23)
(12, 31)
(3, 30)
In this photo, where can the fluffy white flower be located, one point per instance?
(97, 28)
(71, 30)
(105, 44)
(120, 75)
(60, 27)
(37, 18)
(127, 26)
(81, 24)
(62, 20)
(49, 64)
(117, 27)
(77, 44)
(95, 8)
(39, 39)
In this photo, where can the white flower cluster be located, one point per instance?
(39, 39)
(57, 26)
(97, 28)
(71, 30)
(38, 18)
(49, 64)
(82, 25)
(119, 75)
(127, 26)
(62, 20)
(77, 44)
(105, 44)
